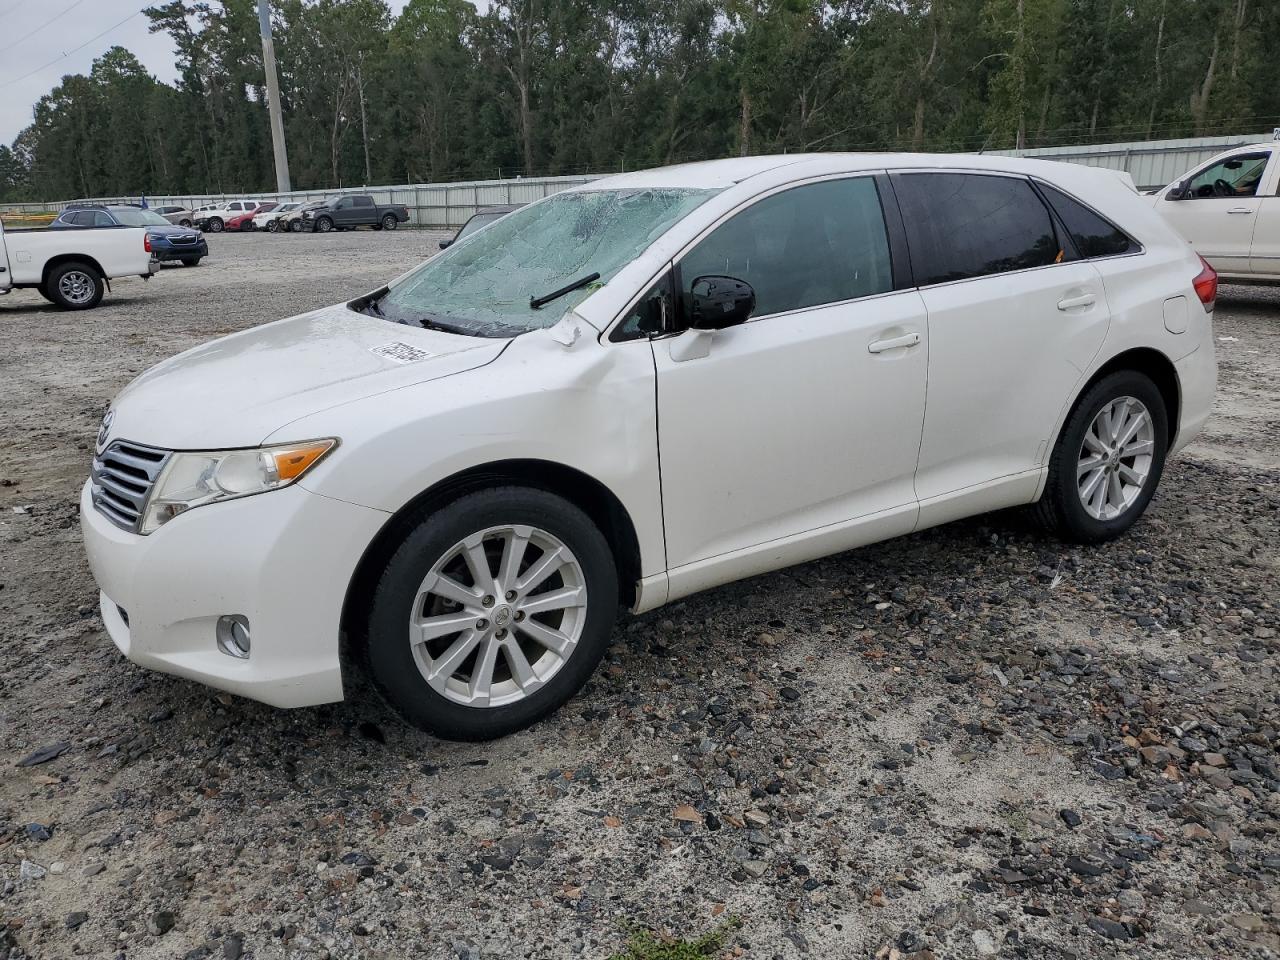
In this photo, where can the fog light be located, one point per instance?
(233, 636)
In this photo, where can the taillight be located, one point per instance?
(146, 242)
(1206, 284)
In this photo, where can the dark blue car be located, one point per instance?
(168, 242)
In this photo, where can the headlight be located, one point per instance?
(194, 479)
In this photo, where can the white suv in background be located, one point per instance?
(214, 218)
(1229, 211)
(452, 483)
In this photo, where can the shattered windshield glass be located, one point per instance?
(483, 285)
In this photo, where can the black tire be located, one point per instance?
(295, 226)
(271, 226)
(1060, 508)
(389, 222)
(214, 225)
(191, 261)
(184, 222)
(323, 224)
(83, 276)
(390, 660)
(45, 293)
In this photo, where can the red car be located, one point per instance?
(244, 221)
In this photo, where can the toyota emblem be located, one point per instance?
(105, 430)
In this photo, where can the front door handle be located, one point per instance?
(1084, 300)
(1240, 210)
(893, 343)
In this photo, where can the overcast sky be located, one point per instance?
(36, 33)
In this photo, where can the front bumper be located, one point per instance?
(282, 559)
(178, 251)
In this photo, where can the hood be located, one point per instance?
(235, 391)
(156, 230)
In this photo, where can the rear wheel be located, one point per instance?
(271, 226)
(75, 286)
(191, 261)
(389, 222)
(184, 222)
(492, 613)
(1108, 459)
(295, 226)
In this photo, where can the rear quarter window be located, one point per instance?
(964, 225)
(1093, 235)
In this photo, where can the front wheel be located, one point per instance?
(493, 612)
(324, 224)
(1108, 459)
(185, 222)
(75, 286)
(389, 222)
(214, 225)
(271, 226)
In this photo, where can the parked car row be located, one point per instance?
(166, 240)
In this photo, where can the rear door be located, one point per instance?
(6, 281)
(1012, 325)
(1218, 209)
(1264, 253)
(362, 210)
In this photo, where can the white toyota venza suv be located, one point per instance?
(632, 391)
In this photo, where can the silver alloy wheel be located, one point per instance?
(76, 287)
(1115, 458)
(482, 638)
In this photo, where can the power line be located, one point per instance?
(31, 73)
(56, 16)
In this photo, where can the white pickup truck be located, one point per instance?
(1228, 209)
(72, 268)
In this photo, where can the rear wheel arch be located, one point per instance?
(580, 489)
(1156, 366)
(78, 258)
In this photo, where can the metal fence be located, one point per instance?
(438, 205)
(1151, 163)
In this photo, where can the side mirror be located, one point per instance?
(1179, 191)
(445, 243)
(719, 302)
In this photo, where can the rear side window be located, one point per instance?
(962, 225)
(363, 201)
(815, 244)
(1092, 235)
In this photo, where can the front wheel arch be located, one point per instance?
(580, 489)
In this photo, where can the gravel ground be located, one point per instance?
(975, 741)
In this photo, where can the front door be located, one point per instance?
(807, 416)
(1218, 209)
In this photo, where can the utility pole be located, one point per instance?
(273, 98)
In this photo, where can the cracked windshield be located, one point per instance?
(483, 285)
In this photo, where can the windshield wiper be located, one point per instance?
(536, 302)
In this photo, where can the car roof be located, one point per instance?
(720, 174)
(497, 208)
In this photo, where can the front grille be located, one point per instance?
(121, 481)
(183, 238)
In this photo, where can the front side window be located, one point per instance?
(963, 225)
(1238, 176)
(1092, 235)
(814, 244)
(483, 286)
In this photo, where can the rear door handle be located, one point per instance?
(1084, 300)
(906, 340)
(1240, 210)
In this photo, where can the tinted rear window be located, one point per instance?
(1092, 235)
(963, 225)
